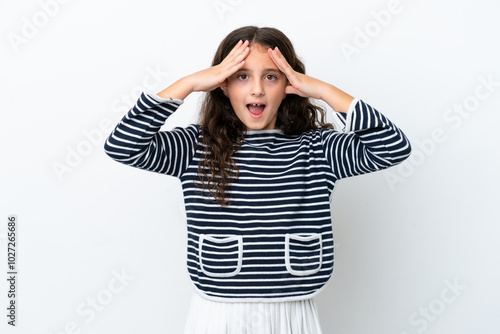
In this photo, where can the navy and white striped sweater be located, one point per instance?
(275, 241)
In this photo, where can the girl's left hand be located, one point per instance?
(299, 84)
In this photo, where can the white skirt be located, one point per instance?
(211, 317)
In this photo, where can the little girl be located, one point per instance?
(257, 174)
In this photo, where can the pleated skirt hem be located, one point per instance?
(213, 317)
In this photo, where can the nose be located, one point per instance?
(257, 88)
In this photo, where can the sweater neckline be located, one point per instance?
(254, 133)
(258, 138)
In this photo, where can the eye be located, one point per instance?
(271, 77)
(242, 76)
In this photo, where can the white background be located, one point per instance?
(70, 71)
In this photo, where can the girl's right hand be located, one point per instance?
(213, 77)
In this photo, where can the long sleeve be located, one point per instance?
(368, 142)
(136, 141)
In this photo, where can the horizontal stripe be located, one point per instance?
(284, 187)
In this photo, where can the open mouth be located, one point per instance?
(256, 110)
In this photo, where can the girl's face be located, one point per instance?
(256, 90)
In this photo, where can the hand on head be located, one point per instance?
(213, 77)
(298, 83)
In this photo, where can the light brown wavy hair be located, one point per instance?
(223, 132)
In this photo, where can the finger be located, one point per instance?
(274, 57)
(233, 50)
(278, 59)
(237, 60)
(281, 63)
(242, 52)
(233, 65)
(235, 68)
(237, 50)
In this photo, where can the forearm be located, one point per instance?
(178, 90)
(337, 99)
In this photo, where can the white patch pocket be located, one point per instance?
(220, 256)
(303, 254)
